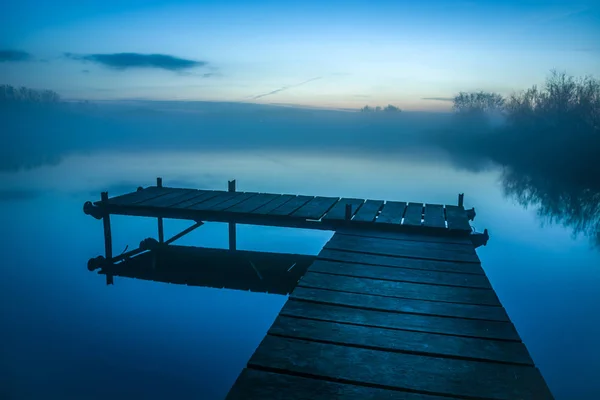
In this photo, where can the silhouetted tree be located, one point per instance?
(480, 101)
(388, 108)
(391, 108)
(11, 94)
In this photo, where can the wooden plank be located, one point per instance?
(291, 206)
(338, 212)
(253, 384)
(388, 261)
(392, 304)
(131, 198)
(254, 203)
(403, 321)
(413, 214)
(457, 218)
(368, 211)
(272, 205)
(391, 213)
(414, 237)
(399, 248)
(220, 198)
(224, 206)
(400, 274)
(452, 294)
(315, 208)
(434, 216)
(433, 375)
(206, 195)
(404, 341)
(165, 199)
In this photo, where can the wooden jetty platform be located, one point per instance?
(395, 306)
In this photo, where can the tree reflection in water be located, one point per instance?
(577, 208)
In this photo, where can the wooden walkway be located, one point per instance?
(395, 306)
(384, 315)
(313, 212)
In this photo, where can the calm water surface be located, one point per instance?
(68, 335)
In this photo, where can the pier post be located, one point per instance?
(461, 199)
(232, 227)
(348, 212)
(107, 235)
(106, 223)
(161, 233)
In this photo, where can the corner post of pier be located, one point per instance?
(161, 232)
(107, 234)
(106, 223)
(348, 212)
(461, 199)
(232, 227)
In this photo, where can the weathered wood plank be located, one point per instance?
(197, 199)
(399, 248)
(391, 213)
(315, 208)
(393, 304)
(224, 206)
(253, 384)
(456, 217)
(220, 198)
(160, 202)
(368, 211)
(414, 237)
(403, 321)
(403, 371)
(292, 205)
(254, 203)
(404, 341)
(434, 216)
(165, 199)
(400, 274)
(389, 261)
(131, 198)
(452, 294)
(413, 214)
(272, 205)
(338, 212)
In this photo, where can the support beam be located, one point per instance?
(161, 231)
(232, 227)
(106, 223)
(184, 232)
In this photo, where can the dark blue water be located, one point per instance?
(66, 335)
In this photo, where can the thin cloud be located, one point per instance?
(438, 98)
(281, 89)
(14, 56)
(122, 61)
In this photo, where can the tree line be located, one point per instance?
(12, 94)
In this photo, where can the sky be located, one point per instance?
(346, 54)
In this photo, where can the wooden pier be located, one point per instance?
(395, 306)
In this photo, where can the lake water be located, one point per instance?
(66, 335)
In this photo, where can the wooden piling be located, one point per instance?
(161, 231)
(232, 227)
(106, 223)
(461, 198)
(348, 212)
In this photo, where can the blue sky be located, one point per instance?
(325, 54)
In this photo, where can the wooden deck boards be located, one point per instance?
(339, 210)
(396, 305)
(368, 211)
(314, 212)
(380, 317)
